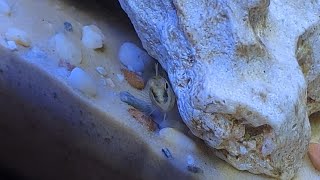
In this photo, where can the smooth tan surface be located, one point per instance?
(52, 131)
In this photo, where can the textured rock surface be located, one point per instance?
(233, 67)
(308, 55)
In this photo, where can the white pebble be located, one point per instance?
(67, 50)
(110, 82)
(12, 45)
(177, 139)
(133, 57)
(4, 8)
(92, 37)
(19, 36)
(101, 70)
(81, 80)
(120, 77)
(190, 160)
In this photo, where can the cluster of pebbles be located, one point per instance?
(67, 47)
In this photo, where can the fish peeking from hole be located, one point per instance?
(160, 93)
(157, 95)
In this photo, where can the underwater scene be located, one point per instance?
(168, 89)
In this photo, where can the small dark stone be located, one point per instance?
(68, 26)
(167, 153)
(194, 169)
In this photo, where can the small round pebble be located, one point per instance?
(143, 119)
(67, 50)
(82, 81)
(19, 36)
(133, 79)
(101, 70)
(177, 139)
(92, 37)
(120, 77)
(4, 8)
(133, 57)
(12, 45)
(68, 26)
(190, 160)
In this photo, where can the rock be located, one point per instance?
(68, 26)
(101, 70)
(120, 77)
(190, 160)
(4, 8)
(133, 79)
(19, 36)
(133, 57)
(143, 119)
(308, 55)
(36, 53)
(92, 37)
(67, 49)
(12, 45)
(82, 81)
(233, 68)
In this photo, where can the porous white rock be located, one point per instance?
(233, 68)
(19, 36)
(308, 55)
(133, 57)
(81, 80)
(67, 49)
(92, 37)
(4, 8)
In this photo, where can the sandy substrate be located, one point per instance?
(98, 130)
